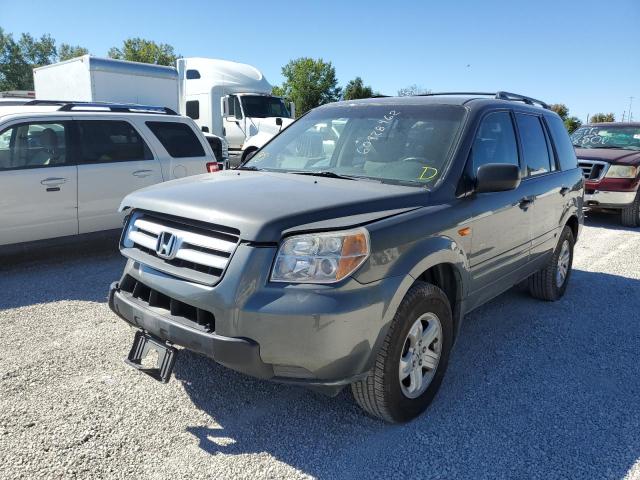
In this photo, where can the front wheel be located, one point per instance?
(631, 214)
(412, 361)
(551, 282)
(248, 153)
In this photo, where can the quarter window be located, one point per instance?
(534, 145)
(193, 109)
(33, 145)
(106, 141)
(495, 141)
(177, 138)
(566, 154)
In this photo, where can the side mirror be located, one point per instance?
(205, 129)
(279, 121)
(497, 177)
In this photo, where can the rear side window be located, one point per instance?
(177, 138)
(564, 149)
(534, 145)
(193, 109)
(33, 145)
(106, 141)
(495, 141)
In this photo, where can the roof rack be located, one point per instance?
(514, 97)
(67, 106)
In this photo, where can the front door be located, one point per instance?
(113, 161)
(234, 125)
(500, 226)
(38, 182)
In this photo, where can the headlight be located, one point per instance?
(621, 171)
(320, 257)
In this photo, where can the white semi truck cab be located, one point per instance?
(228, 99)
(232, 100)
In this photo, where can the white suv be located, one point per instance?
(65, 167)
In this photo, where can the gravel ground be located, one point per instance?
(534, 390)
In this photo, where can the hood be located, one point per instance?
(266, 125)
(611, 155)
(264, 205)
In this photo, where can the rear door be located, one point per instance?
(113, 161)
(540, 183)
(38, 181)
(500, 226)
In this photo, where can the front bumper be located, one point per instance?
(608, 199)
(306, 334)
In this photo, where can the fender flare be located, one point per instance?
(448, 252)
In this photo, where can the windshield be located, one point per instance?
(405, 143)
(614, 136)
(263, 106)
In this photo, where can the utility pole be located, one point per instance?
(630, 111)
(624, 112)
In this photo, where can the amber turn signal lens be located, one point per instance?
(354, 251)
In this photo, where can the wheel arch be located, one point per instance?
(448, 269)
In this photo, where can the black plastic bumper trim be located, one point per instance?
(240, 354)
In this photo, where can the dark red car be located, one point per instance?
(609, 155)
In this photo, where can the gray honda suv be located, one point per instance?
(349, 248)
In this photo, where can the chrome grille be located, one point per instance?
(198, 252)
(593, 170)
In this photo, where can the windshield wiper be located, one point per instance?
(248, 167)
(325, 173)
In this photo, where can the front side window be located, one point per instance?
(33, 145)
(405, 143)
(534, 145)
(177, 138)
(106, 141)
(607, 136)
(495, 141)
(236, 108)
(263, 106)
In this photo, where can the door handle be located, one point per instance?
(53, 181)
(564, 191)
(525, 202)
(142, 173)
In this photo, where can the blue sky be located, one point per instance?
(583, 53)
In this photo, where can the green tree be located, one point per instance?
(145, 51)
(356, 89)
(572, 124)
(67, 52)
(561, 109)
(19, 58)
(602, 117)
(412, 90)
(309, 83)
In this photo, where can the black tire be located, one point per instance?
(248, 153)
(631, 214)
(380, 393)
(543, 284)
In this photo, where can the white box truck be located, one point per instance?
(228, 99)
